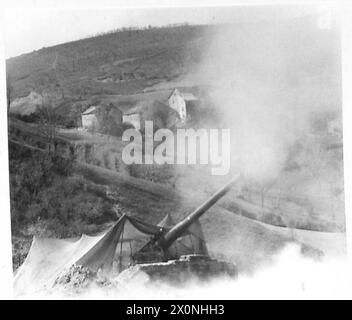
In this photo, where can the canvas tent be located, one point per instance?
(110, 251)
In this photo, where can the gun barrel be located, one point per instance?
(182, 226)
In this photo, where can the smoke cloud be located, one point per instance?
(267, 80)
(291, 276)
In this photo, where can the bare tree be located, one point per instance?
(47, 121)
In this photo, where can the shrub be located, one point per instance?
(44, 190)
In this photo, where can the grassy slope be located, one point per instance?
(116, 63)
(128, 61)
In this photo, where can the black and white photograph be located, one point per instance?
(175, 152)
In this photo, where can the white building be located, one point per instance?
(134, 117)
(89, 118)
(163, 107)
(180, 102)
(26, 105)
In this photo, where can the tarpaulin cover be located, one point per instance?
(47, 258)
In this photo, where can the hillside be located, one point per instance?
(115, 63)
(129, 61)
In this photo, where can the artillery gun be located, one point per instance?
(127, 248)
(159, 259)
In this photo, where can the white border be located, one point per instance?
(6, 291)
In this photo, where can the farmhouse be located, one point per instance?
(26, 105)
(103, 117)
(182, 103)
(134, 116)
(147, 110)
(89, 117)
(166, 108)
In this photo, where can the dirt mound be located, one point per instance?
(78, 278)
